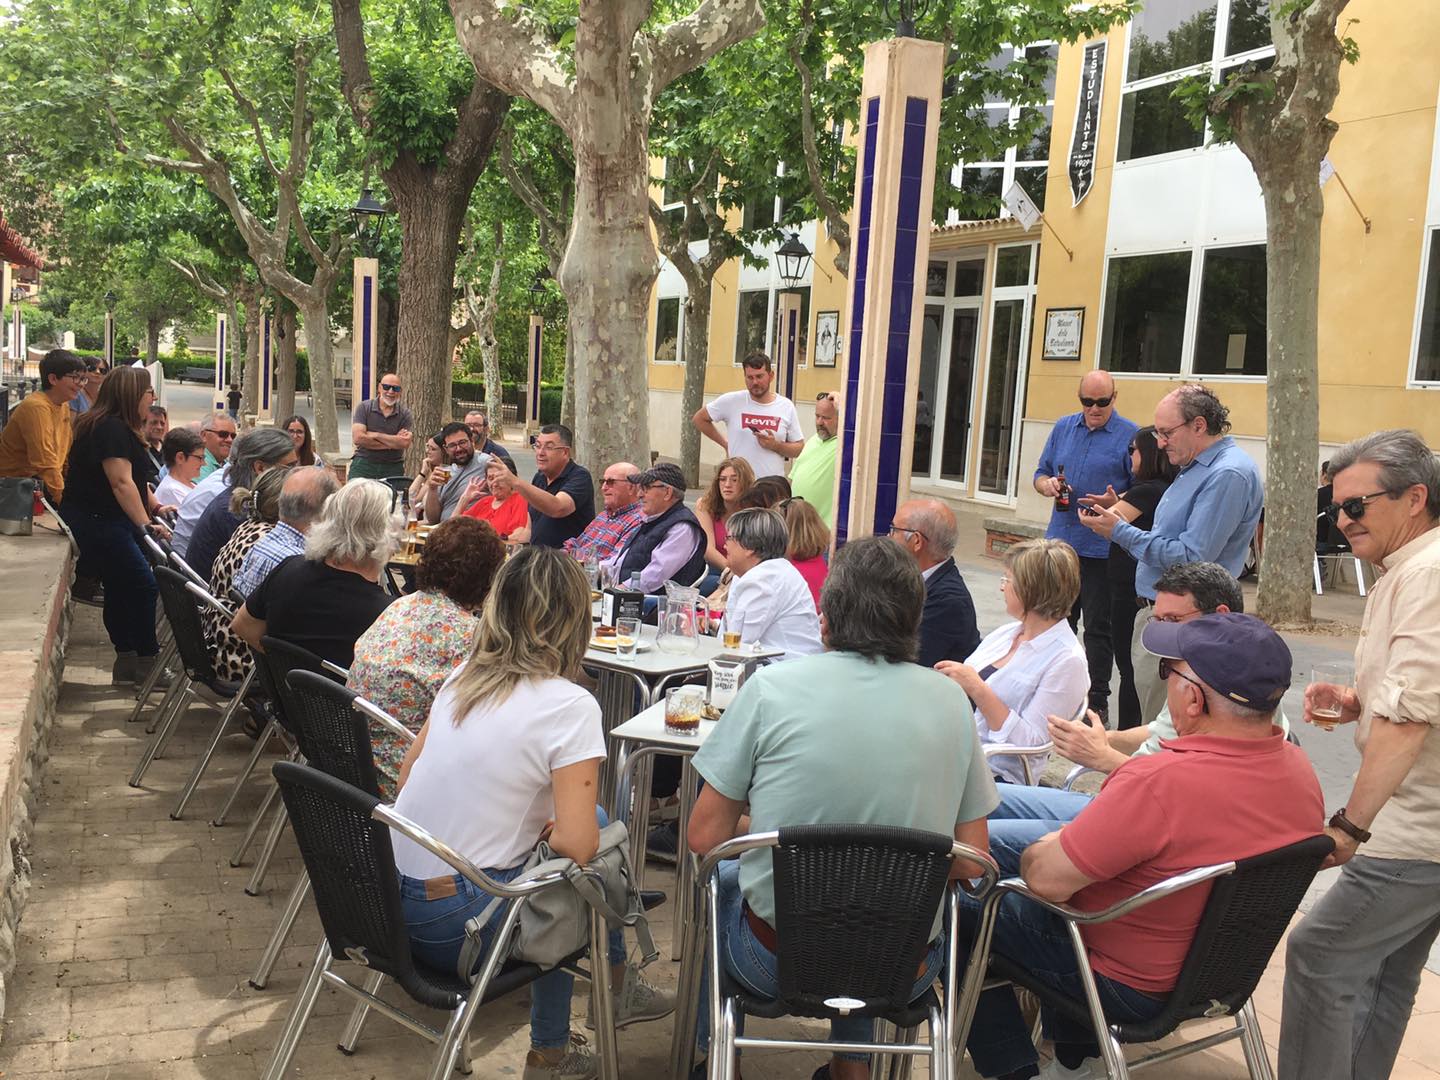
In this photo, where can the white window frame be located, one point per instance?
(679, 332)
(1431, 230)
(664, 177)
(950, 304)
(1192, 314)
(1219, 60)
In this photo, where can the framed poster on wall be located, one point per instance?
(827, 337)
(1064, 328)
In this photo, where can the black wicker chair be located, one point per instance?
(399, 487)
(344, 838)
(1251, 903)
(855, 906)
(183, 614)
(157, 553)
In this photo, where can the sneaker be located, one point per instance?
(87, 591)
(637, 999)
(576, 1059)
(1089, 1069)
(663, 842)
(122, 671)
(142, 669)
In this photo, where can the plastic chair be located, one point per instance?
(199, 673)
(1033, 759)
(344, 838)
(855, 906)
(1250, 905)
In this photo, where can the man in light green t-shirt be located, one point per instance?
(859, 734)
(812, 477)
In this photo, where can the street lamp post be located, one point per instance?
(367, 215)
(109, 347)
(792, 262)
(536, 339)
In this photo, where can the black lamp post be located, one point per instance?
(793, 261)
(537, 294)
(110, 300)
(905, 12)
(17, 294)
(367, 214)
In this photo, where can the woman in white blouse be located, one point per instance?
(769, 602)
(1032, 668)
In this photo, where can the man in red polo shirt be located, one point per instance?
(1229, 787)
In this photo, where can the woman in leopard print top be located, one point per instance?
(232, 657)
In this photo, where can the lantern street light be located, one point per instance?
(110, 301)
(905, 12)
(367, 214)
(537, 294)
(793, 262)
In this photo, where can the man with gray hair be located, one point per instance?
(1353, 965)
(926, 529)
(254, 452)
(301, 500)
(669, 545)
(217, 432)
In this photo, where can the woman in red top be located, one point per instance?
(496, 500)
(809, 542)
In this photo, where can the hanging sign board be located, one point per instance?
(1087, 121)
(1017, 200)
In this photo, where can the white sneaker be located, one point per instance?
(576, 1060)
(1090, 1069)
(638, 999)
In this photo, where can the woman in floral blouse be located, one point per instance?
(405, 656)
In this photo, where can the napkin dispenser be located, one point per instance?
(620, 603)
(727, 674)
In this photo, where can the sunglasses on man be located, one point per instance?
(1354, 507)
(1097, 402)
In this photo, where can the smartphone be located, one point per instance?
(1089, 511)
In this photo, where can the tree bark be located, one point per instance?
(320, 354)
(697, 355)
(285, 363)
(567, 394)
(385, 334)
(153, 326)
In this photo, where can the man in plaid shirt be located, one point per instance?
(620, 517)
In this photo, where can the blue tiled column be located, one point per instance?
(267, 365)
(363, 333)
(532, 396)
(222, 357)
(787, 341)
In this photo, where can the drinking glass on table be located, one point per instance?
(627, 637)
(1330, 685)
(592, 572)
(683, 705)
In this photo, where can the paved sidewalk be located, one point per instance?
(138, 940)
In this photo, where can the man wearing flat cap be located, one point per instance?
(1227, 787)
(669, 545)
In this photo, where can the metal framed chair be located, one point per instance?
(344, 837)
(199, 671)
(399, 487)
(1032, 758)
(855, 906)
(1250, 905)
(157, 554)
(1336, 549)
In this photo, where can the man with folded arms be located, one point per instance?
(1228, 787)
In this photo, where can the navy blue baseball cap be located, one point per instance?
(1238, 656)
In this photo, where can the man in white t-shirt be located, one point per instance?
(760, 426)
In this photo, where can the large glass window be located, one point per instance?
(1172, 40)
(1427, 357)
(1144, 326)
(987, 181)
(750, 332)
(1230, 327)
(667, 330)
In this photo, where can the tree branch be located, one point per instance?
(836, 221)
(201, 280)
(248, 110)
(510, 50)
(356, 80)
(522, 182)
(684, 45)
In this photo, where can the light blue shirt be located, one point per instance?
(274, 548)
(1208, 514)
(1093, 460)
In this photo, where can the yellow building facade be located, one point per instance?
(1163, 279)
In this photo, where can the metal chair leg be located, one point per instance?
(272, 841)
(167, 702)
(1257, 1058)
(351, 1035)
(231, 707)
(181, 706)
(142, 696)
(288, 914)
(264, 808)
(602, 1001)
(244, 774)
(162, 733)
(299, 1015)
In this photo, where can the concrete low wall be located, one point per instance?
(34, 625)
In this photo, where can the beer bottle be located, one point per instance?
(1062, 497)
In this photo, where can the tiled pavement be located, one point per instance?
(138, 939)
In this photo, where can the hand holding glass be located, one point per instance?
(1325, 698)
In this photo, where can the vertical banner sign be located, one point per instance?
(267, 363)
(532, 396)
(1087, 121)
(789, 340)
(363, 332)
(222, 349)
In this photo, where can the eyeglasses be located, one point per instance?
(226, 435)
(1163, 434)
(897, 529)
(1184, 617)
(1354, 508)
(824, 395)
(452, 447)
(78, 376)
(1097, 402)
(1131, 448)
(633, 478)
(1167, 668)
(390, 388)
(198, 454)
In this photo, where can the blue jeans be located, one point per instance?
(754, 967)
(999, 1041)
(1024, 815)
(112, 547)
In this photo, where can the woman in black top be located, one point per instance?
(109, 504)
(1152, 474)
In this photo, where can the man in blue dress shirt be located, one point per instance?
(1093, 446)
(1208, 514)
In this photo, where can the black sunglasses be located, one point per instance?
(1096, 402)
(1354, 508)
(1167, 668)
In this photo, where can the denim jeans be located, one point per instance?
(754, 967)
(1352, 968)
(112, 547)
(999, 1041)
(1025, 814)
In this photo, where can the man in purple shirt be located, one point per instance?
(670, 543)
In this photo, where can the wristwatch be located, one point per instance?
(1348, 827)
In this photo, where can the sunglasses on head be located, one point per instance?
(1354, 507)
(1097, 402)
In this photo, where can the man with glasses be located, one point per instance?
(442, 496)
(217, 433)
(620, 515)
(479, 425)
(561, 494)
(1353, 965)
(1092, 446)
(669, 545)
(926, 529)
(812, 477)
(1208, 514)
(36, 439)
(380, 429)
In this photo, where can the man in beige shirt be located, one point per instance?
(1353, 964)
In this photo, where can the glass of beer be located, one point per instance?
(627, 638)
(1329, 684)
(730, 639)
(683, 705)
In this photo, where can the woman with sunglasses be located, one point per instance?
(1152, 473)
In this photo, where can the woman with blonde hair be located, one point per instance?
(733, 477)
(809, 541)
(1032, 667)
(511, 753)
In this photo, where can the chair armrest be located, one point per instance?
(386, 815)
(996, 749)
(184, 569)
(373, 712)
(990, 869)
(335, 669)
(1158, 891)
(208, 599)
(1075, 774)
(734, 847)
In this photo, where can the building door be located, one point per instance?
(949, 348)
(1011, 316)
